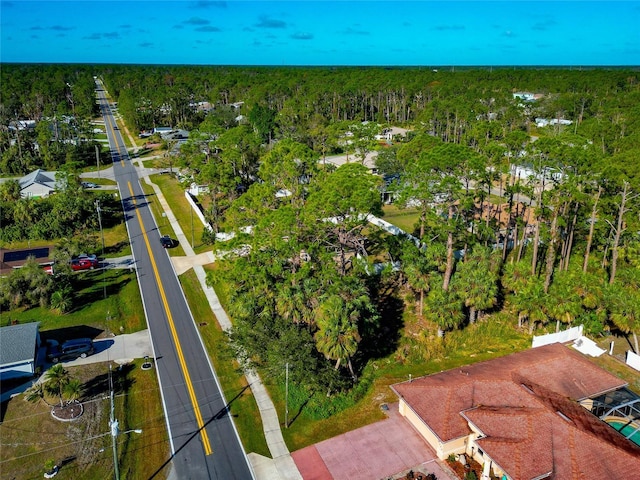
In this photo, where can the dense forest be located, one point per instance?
(540, 224)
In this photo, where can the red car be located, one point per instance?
(88, 262)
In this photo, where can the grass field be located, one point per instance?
(406, 218)
(190, 224)
(164, 226)
(120, 311)
(83, 448)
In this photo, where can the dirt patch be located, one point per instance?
(68, 412)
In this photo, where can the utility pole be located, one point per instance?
(286, 396)
(104, 284)
(113, 425)
(97, 204)
(98, 160)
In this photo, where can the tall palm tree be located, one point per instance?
(56, 380)
(337, 336)
(476, 281)
(624, 310)
(444, 308)
(74, 389)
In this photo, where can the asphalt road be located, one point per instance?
(204, 441)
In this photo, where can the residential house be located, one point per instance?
(526, 96)
(19, 346)
(22, 125)
(163, 130)
(389, 134)
(11, 259)
(523, 416)
(544, 122)
(38, 184)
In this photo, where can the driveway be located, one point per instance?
(389, 448)
(120, 349)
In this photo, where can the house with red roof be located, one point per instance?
(523, 416)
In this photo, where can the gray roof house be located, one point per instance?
(38, 184)
(19, 345)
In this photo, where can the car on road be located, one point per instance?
(69, 350)
(166, 241)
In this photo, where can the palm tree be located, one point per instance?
(291, 304)
(563, 303)
(476, 281)
(74, 389)
(444, 308)
(56, 380)
(337, 336)
(417, 266)
(35, 393)
(624, 310)
(62, 300)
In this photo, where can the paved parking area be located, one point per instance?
(380, 450)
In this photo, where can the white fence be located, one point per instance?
(196, 209)
(561, 337)
(633, 360)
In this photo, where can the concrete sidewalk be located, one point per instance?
(281, 466)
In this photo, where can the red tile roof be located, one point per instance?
(514, 402)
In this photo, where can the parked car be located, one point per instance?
(166, 241)
(69, 350)
(89, 185)
(84, 262)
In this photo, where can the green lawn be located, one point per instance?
(190, 224)
(404, 218)
(158, 213)
(120, 311)
(99, 181)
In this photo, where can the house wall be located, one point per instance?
(457, 445)
(35, 191)
(443, 449)
(24, 369)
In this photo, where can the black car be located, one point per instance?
(70, 350)
(166, 241)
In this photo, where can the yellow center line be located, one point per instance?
(183, 365)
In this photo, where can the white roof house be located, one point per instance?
(389, 133)
(163, 130)
(19, 346)
(38, 184)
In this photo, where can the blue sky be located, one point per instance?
(429, 33)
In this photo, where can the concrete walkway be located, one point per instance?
(281, 466)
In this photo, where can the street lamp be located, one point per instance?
(113, 426)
